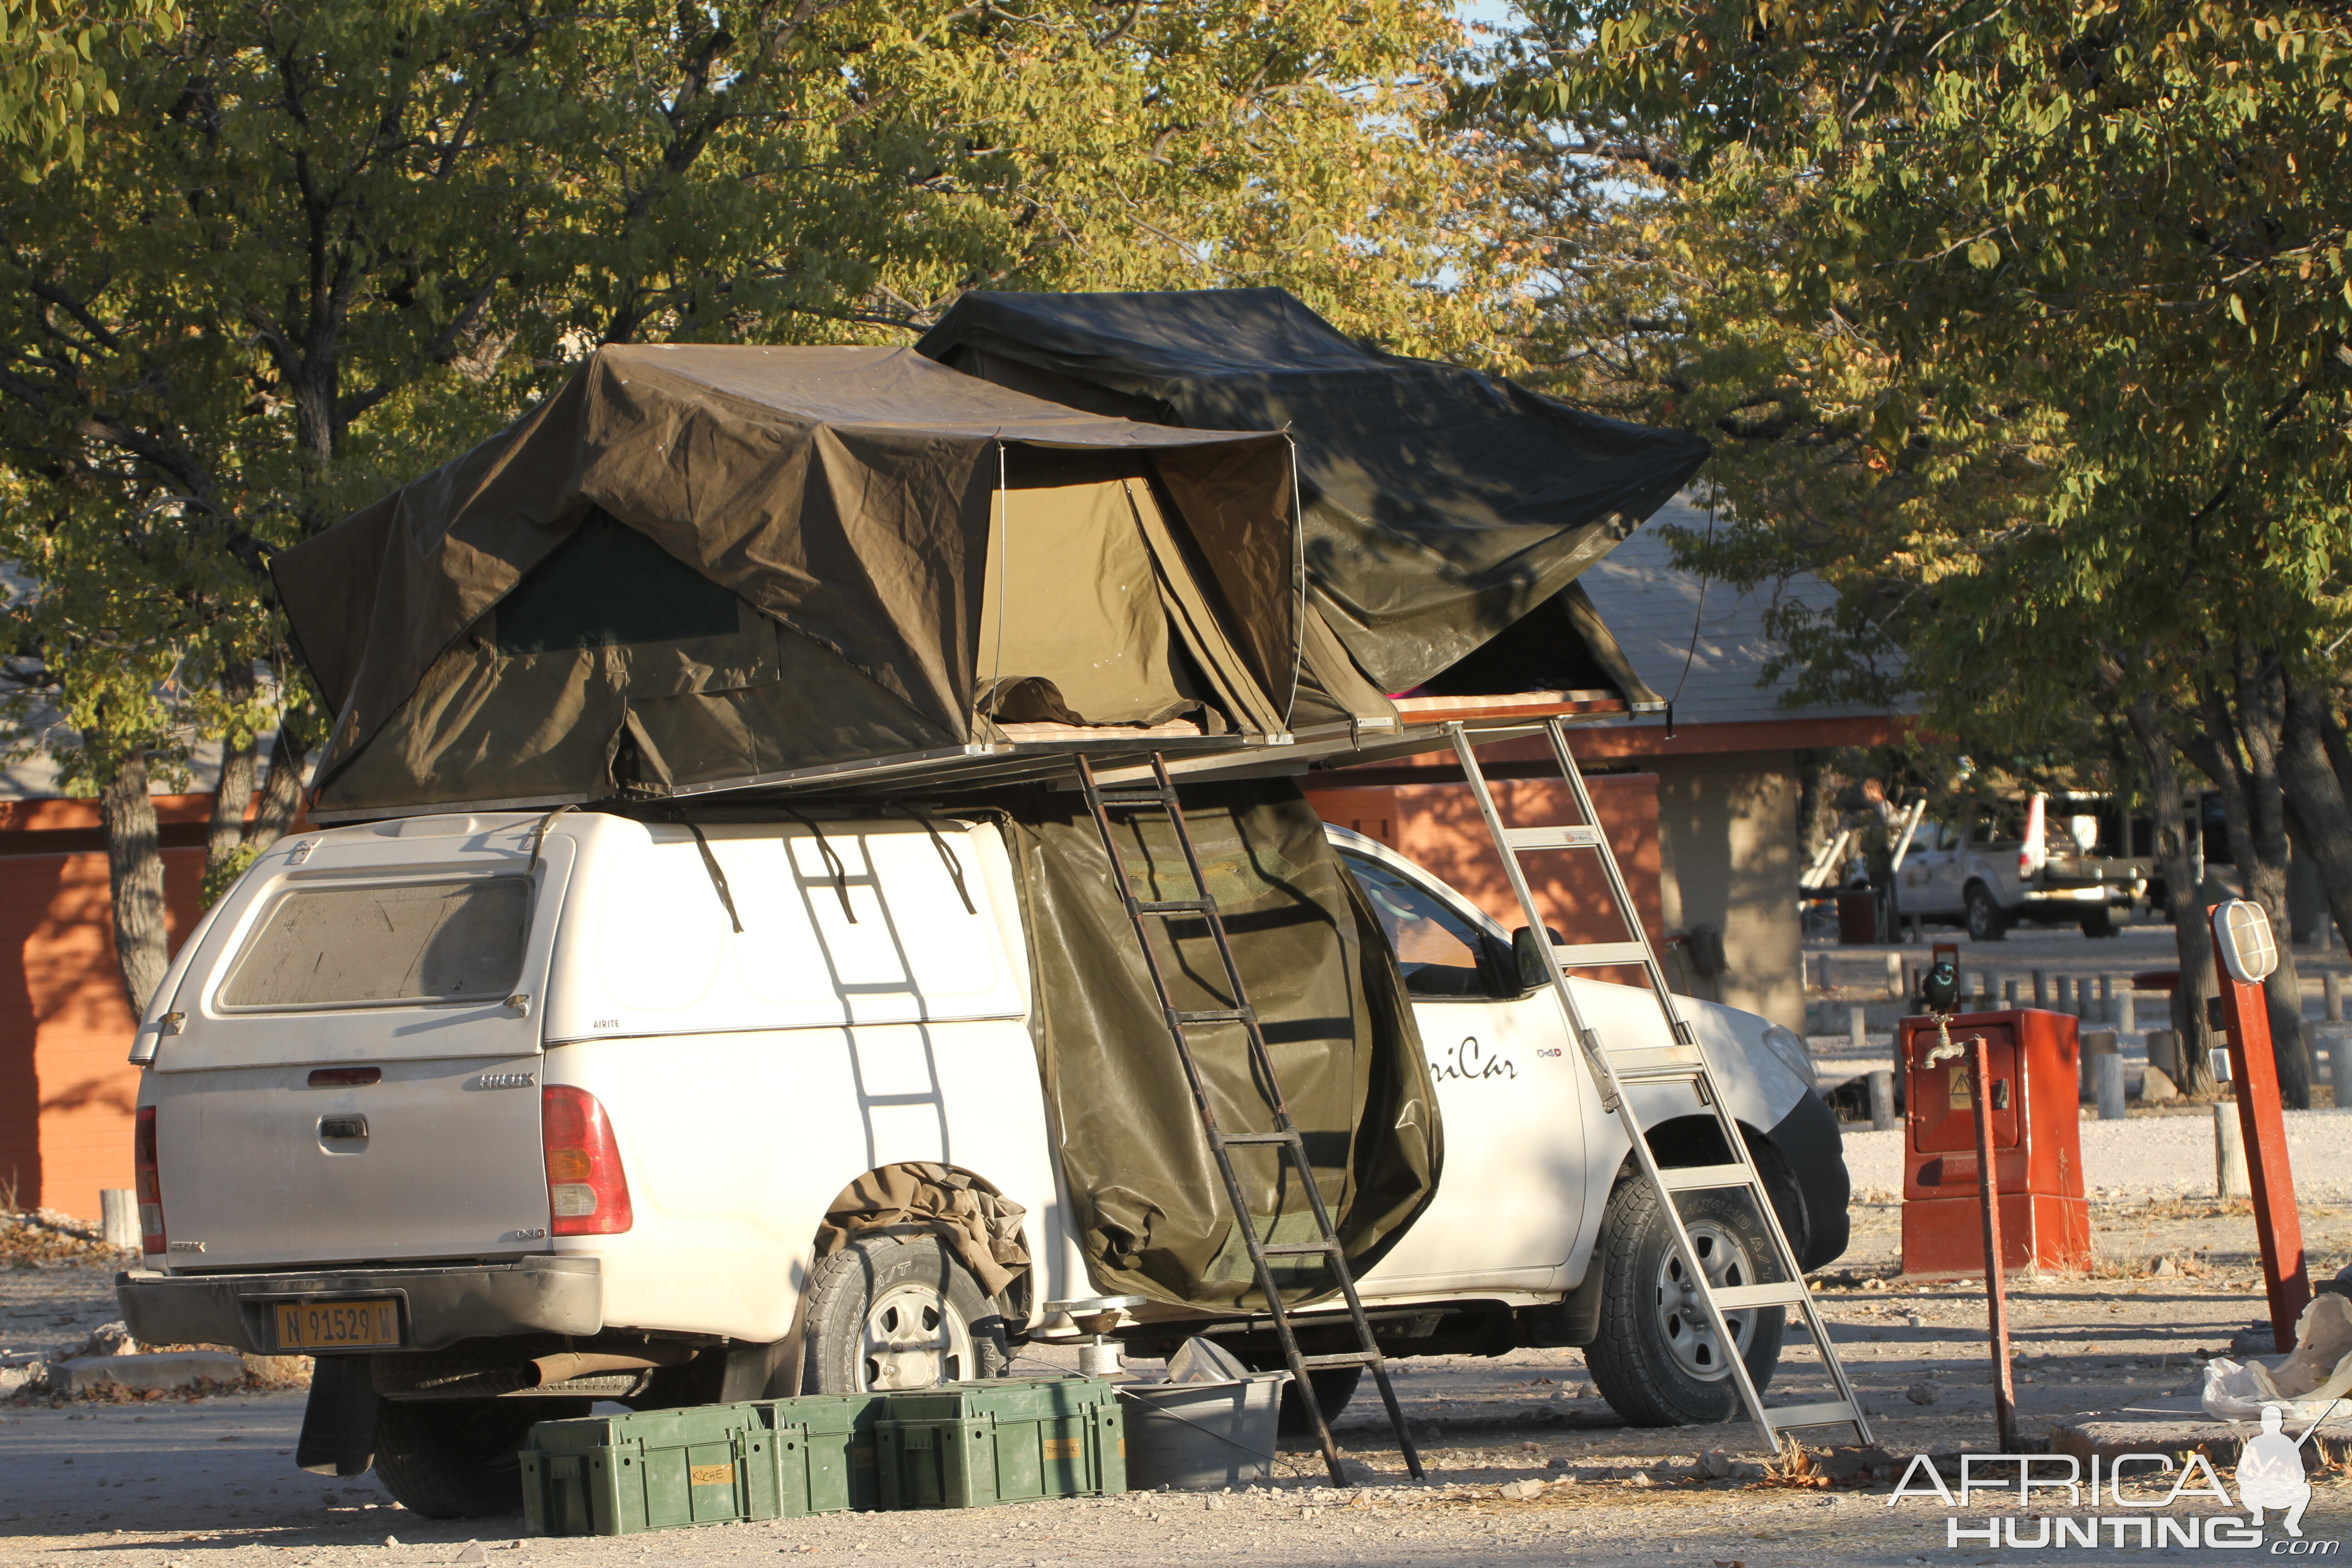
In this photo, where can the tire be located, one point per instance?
(2100, 922)
(457, 1458)
(898, 1312)
(1986, 920)
(1334, 1387)
(1651, 1357)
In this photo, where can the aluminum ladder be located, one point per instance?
(1161, 798)
(1615, 1066)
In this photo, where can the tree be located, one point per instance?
(324, 246)
(2026, 325)
(52, 70)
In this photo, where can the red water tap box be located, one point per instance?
(2037, 1142)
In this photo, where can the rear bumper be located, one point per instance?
(439, 1304)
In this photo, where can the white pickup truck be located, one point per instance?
(498, 1127)
(1995, 871)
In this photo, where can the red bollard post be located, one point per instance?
(2243, 942)
(2004, 1392)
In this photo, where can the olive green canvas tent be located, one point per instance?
(700, 568)
(1446, 513)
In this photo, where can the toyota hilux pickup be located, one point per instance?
(496, 1116)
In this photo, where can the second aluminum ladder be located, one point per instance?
(1617, 1066)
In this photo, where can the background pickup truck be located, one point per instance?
(1992, 873)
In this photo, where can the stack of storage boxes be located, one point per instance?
(962, 1445)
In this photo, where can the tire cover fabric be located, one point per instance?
(1152, 1210)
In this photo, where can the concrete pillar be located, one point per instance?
(2332, 986)
(1857, 1028)
(2008, 993)
(2107, 998)
(2229, 1152)
(1881, 1099)
(2126, 1011)
(2040, 988)
(2107, 1079)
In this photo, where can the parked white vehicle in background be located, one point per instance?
(2044, 859)
(498, 1123)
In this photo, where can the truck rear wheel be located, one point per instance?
(898, 1312)
(458, 1459)
(1334, 1387)
(1657, 1360)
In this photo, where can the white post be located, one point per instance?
(1857, 1030)
(1894, 973)
(2127, 1010)
(118, 1222)
(2332, 986)
(1881, 1099)
(2230, 1179)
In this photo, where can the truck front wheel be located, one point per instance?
(458, 1459)
(1987, 923)
(1657, 1359)
(898, 1312)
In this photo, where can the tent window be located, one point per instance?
(609, 584)
(409, 943)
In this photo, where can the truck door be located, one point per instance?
(1511, 1195)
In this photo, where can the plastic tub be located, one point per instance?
(1199, 1436)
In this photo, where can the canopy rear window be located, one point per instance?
(405, 943)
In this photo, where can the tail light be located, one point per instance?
(587, 1191)
(147, 1181)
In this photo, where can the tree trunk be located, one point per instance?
(233, 790)
(135, 872)
(281, 790)
(2182, 903)
(225, 833)
(2321, 822)
(2241, 753)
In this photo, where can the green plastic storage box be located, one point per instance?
(841, 1470)
(658, 1470)
(974, 1444)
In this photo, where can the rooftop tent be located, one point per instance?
(1445, 509)
(704, 567)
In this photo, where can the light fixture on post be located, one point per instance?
(2248, 954)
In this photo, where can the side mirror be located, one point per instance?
(1535, 960)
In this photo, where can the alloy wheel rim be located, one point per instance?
(1690, 1338)
(913, 1339)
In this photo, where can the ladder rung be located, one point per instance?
(1219, 1015)
(1129, 799)
(1739, 1298)
(1553, 837)
(1344, 1358)
(1835, 1412)
(1644, 1059)
(1666, 1074)
(1578, 955)
(1690, 1178)
(1300, 1248)
(1229, 1139)
(1174, 906)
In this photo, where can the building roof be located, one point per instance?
(1654, 606)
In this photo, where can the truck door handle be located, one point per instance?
(343, 1127)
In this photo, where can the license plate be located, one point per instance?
(337, 1325)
